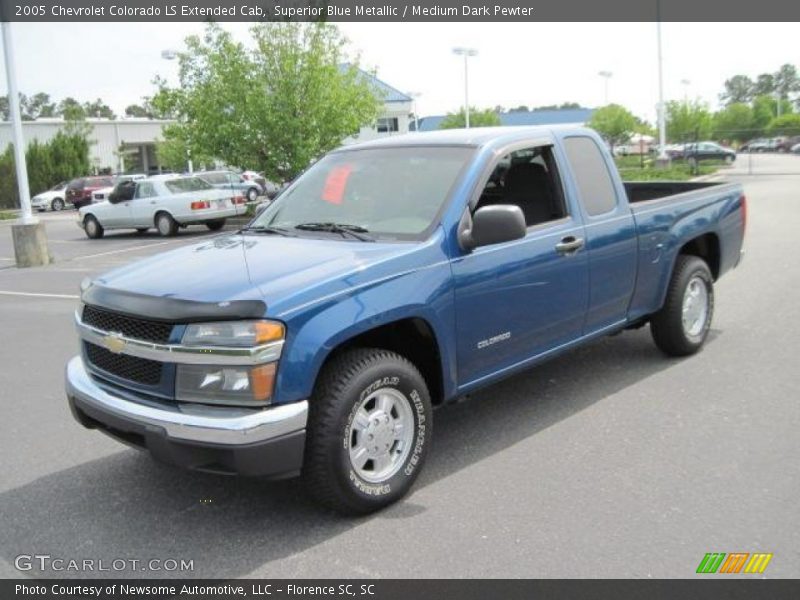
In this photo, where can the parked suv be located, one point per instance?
(79, 190)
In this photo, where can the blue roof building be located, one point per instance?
(567, 116)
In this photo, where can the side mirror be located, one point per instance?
(491, 225)
(113, 197)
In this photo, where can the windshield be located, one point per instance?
(187, 184)
(393, 193)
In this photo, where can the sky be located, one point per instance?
(517, 63)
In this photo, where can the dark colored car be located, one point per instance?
(79, 190)
(786, 144)
(708, 151)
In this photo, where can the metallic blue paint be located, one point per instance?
(329, 290)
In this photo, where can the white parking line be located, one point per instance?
(39, 295)
(121, 250)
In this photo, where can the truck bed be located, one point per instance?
(640, 191)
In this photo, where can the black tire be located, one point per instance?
(252, 194)
(166, 225)
(345, 383)
(142, 230)
(216, 225)
(667, 325)
(93, 228)
(57, 204)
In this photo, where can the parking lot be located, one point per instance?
(612, 461)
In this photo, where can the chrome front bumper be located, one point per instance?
(226, 426)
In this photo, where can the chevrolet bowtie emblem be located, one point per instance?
(114, 343)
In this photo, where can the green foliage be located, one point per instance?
(677, 171)
(784, 125)
(99, 110)
(688, 120)
(615, 123)
(65, 156)
(738, 90)
(477, 118)
(275, 107)
(733, 123)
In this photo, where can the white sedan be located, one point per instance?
(165, 202)
(52, 198)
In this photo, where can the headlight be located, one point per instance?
(239, 386)
(233, 333)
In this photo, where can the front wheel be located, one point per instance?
(93, 228)
(252, 194)
(57, 204)
(680, 328)
(368, 433)
(729, 159)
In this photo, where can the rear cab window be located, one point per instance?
(595, 185)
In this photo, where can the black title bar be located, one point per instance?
(399, 10)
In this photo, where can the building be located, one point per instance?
(394, 116)
(110, 140)
(567, 116)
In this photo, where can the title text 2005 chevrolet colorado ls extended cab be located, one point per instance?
(391, 277)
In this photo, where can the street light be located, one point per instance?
(663, 158)
(606, 75)
(30, 238)
(170, 54)
(414, 96)
(685, 83)
(466, 53)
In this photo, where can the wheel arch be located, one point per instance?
(706, 247)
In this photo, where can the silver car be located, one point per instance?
(228, 180)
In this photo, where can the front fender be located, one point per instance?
(312, 335)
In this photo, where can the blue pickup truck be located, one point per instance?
(392, 277)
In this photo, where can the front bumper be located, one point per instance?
(266, 443)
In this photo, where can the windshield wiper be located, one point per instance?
(345, 230)
(266, 229)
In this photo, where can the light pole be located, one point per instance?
(685, 83)
(663, 158)
(606, 75)
(414, 96)
(466, 53)
(170, 54)
(30, 238)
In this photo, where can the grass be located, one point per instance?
(630, 169)
(7, 215)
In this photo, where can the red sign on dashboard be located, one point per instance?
(336, 183)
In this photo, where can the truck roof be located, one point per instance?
(477, 136)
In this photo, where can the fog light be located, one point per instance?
(240, 386)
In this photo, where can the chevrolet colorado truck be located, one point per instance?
(391, 277)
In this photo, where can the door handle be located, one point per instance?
(569, 245)
(152, 201)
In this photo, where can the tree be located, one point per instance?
(786, 81)
(734, 123)
(477, 118)
(135, 110)
(765, 85)
(784, 125)
(37, 106)
(5, 109)
(70, 109)
(738, 90)
(99, 110)
(688, 120)
(614, 123)
(520, 108)
(275, 107)
(765, 108)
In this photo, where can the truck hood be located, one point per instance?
(284, 272)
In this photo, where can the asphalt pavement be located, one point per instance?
(611, 461)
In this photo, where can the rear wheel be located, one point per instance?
(252, 194)
(216, 225)
(680, 328)
(57, 204)
(166, 225)
(368, 431)
(93, 228)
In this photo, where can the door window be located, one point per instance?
(145, 190)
